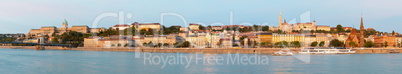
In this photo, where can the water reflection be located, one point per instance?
(72, 62)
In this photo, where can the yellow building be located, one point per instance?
(381, 40)
(398, 41)
(213, 39)
(146, 26)
(108, 42)
(194, 26)
(216, 28)
(264, 37)
(323, 28)
(169, 39)
(197, 41)
(288, 37)
(46, 30)
(80, 28)
(49, 30)
(225, 43)
(91, 42)
(315, 38)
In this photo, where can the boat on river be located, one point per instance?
(339, 50)
(283, 52)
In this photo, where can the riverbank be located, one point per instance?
(204, 50)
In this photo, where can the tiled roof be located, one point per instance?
(194, 24)
(149, 24)
(122, 25)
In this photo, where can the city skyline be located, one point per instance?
(48, 13)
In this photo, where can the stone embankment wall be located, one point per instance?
(203, 50)
(33, 47)
(376, 50)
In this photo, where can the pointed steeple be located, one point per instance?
(285, 21)
(361, 23)
(361, 32)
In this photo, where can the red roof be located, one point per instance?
(233, 26)
(123, 25)
(193, 24)
(347, 27)
(149, 24)
(224, 39)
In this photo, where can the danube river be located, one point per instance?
(18, 61)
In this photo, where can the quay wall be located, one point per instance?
(204, 50)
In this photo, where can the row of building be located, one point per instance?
(222, 38)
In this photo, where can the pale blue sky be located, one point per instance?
(19, 16)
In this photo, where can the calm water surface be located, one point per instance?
(18, 61)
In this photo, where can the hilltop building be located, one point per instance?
(146, 26)
(287, 27)
(194, 26)
(49, 30)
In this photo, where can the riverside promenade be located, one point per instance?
(204, 50)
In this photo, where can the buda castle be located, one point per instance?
(287, 27)
(49, 30)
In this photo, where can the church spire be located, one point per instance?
(361, 22)
(361, 42)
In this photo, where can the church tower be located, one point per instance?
(65, 25)
(361, 32)
(64, 28)
(314, 27)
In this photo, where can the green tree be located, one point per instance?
(46, 36)
(348, 30)
(108, 32)
(55, 40)
(393, 32)
(201, 27)
(150, 32)
(296, 43)
(312, 31)
(265, 44)
(235, 45)
(279, 31)
(150, 44)
(165, 45)
(143, 32)
(144, 44)
(369, 44)
(7, 39)
(386, 44)
(185, 44)
(281, 44)
(242, 37)
(313, 44)
(336, 43)
(322, 43)
(159, 44)
(339, 28)
(265, 28)
(352, 44)
(72, 38)
(125, 45)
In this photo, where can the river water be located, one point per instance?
(18, 61)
